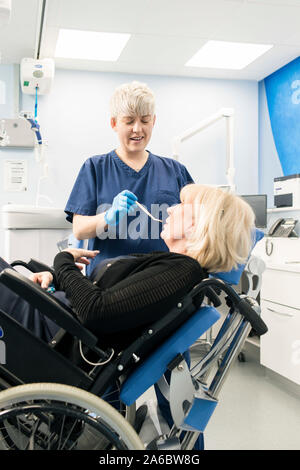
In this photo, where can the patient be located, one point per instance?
(209, 231)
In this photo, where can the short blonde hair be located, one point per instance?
(132, 99)
(223, 227)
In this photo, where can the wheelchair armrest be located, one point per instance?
(47, 305)
(33, 265)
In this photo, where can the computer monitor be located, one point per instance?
(258, 202)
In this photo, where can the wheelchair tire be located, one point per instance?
(49, 416)
(128, 412)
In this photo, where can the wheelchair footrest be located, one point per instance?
(190, 404)
(199, 413)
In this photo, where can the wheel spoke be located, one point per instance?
(59, 417)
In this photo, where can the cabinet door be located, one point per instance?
(280, 346)
(281, 287)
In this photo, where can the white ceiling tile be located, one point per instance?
(165, 33)
(293, 39)
(192, 17)
(260, 23)
(160, 49)
(284, 3)
(18, 39)
(271, 61)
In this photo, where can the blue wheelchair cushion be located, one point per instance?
(151, 370)
(233, 276)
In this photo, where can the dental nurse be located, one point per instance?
(102, 205)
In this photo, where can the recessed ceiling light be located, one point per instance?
(227, 55)
(90, 45)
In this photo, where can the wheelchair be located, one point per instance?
(48, 402)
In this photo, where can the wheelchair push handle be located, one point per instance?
(241, 304)
(254, 319)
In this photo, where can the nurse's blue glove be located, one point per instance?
(122, 204)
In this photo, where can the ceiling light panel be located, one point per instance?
(227, 55)
(90, 45)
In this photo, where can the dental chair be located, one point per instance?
(48, 402)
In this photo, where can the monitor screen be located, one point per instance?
(258, 202)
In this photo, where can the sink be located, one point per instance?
(18, 216)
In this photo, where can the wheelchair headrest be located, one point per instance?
(233, 276)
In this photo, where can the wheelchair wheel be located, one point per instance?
(112, 395)
(48, 416)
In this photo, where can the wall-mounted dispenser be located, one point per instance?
(36, 74)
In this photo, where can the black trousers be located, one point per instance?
(30, 317)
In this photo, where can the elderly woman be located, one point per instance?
(102, 202)
(209, 231)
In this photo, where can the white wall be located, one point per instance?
(74, 119)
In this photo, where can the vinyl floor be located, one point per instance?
(255, 411)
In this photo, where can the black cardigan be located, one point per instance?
(132, 293)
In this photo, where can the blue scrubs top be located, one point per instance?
(157, 186)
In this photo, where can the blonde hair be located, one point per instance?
(223, 225)
(132, 99)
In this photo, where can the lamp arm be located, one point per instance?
(227, 113)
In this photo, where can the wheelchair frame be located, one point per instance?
(192, 400)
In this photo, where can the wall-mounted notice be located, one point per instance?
(15, 175)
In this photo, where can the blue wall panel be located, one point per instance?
(283, 97)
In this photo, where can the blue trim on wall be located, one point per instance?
(283, 98)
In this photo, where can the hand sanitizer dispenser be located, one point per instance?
(36, 74)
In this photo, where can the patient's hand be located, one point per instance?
(80, 255)
(44, 279)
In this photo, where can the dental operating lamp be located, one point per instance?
(228, 114)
